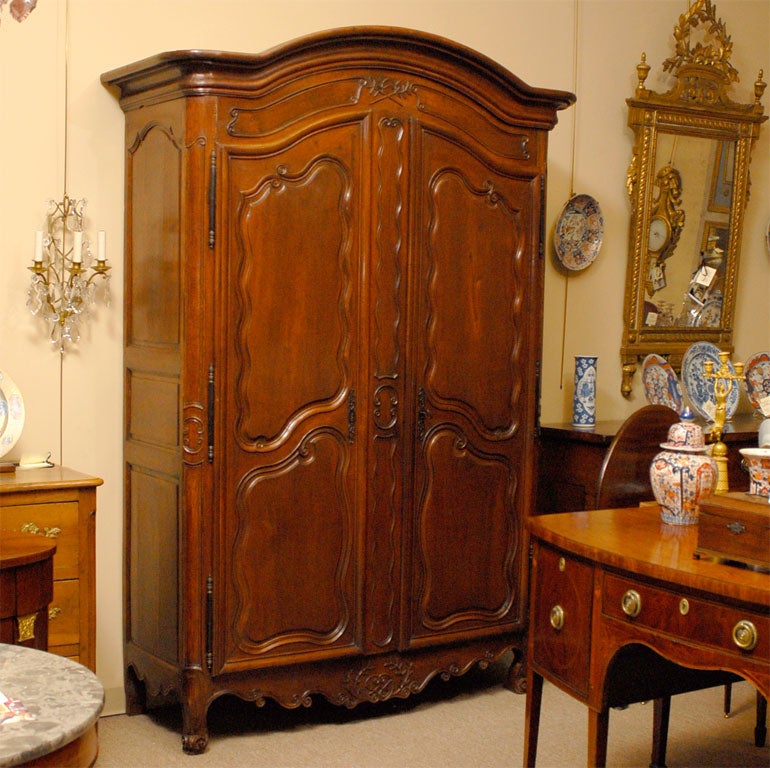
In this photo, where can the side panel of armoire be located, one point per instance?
(166, 387)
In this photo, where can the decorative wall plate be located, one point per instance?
(661, 384)
(11, 413)
(699, 389)
(579, 232)
(710, 314)
(757, 382)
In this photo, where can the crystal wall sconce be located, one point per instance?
(65, 278)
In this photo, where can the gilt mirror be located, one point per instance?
(688, 183)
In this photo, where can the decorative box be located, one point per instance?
(736, 527)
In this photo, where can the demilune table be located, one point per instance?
(621, 611)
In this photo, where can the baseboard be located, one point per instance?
(114, 702)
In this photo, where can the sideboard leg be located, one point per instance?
(661, 709)
(760, 731)
(598, 725)
(532, 716)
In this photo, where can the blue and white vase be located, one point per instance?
(584, 396)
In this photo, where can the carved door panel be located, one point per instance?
(290, 532)
(472, 359)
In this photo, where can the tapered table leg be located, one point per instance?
(598, 724)
(532, 717)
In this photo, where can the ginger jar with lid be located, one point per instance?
(682, 473)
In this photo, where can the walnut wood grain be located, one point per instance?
(334, 285)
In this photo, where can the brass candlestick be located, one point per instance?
(724, 380)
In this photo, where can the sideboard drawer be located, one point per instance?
(685, 617)
(561, 616)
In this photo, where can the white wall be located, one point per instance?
(74, 405)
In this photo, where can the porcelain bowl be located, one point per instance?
(757, 461)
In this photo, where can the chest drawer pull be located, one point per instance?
(631, 603)
(31, 527)
(745, 635)
(557, 617)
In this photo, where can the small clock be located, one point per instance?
(659, 234)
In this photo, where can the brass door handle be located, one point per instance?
(631, 603)
(557, 617)
(745, 635)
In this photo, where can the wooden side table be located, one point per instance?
(59, 504)
(26, 589)
(579, 454)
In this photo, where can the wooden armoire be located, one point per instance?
(333, 311)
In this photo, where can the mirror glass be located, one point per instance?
(688, 233)
(688, 185)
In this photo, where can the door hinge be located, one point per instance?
(212, 198)
(538, 384)
(211, 414)
(541, 234)
(209, 622)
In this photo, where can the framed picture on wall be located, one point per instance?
(722, 178)
(715, 235)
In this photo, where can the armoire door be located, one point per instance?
(473, 369)
(290, 534)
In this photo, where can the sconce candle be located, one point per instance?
(77, 247)
(101, 245)
(39, 246)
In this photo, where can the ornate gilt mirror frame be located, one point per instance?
(688, 183)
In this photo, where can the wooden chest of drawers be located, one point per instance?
(579, 455)
(60, 504)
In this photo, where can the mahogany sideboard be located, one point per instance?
(621, 611)
(579, 454)
(59, 504)
(26, 589)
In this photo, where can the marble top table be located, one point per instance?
(65, 698)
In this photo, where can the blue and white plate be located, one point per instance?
(579, 232)
(699, 389)
(661, 385)
(11, 413)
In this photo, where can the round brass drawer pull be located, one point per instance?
(557, 617)
(745, 635)
(631, 603)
